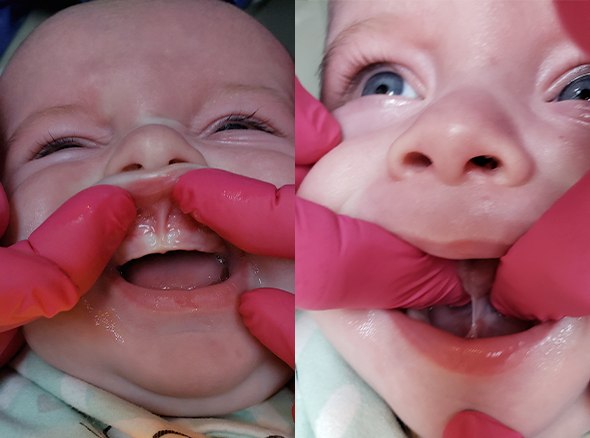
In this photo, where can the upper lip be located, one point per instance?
(160, 226)
(145, 185)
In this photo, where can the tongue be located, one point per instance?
(178, 270)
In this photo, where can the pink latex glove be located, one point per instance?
(259, 219)
(4, 216)
(574, 16)
(467, 424)
(317, 132)
(343, 262)
(545, 275)
(58, 263)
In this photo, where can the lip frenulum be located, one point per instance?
(162, 228)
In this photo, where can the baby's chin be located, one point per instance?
(170, 369)
(432, 378)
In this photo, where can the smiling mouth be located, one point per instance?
(177, 270)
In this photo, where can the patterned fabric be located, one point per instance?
(331, 400)
(37, 400)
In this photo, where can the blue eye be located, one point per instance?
(578, 89)
(390, 84)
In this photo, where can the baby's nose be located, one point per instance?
(151, 147)
(463, 134)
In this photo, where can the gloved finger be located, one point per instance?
(82, 235)
(342, 262)
(300, 173)
(32, 287)
(544, 276)
(10, 342)
(253, 215)
(574, 16)
(317, 132)
(4, 215)
(269, 314)
(476, 424)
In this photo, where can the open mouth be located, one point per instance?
(177, 270)
(167, 250)
(478, 318)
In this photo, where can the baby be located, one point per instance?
(463, 122)
(135, 94)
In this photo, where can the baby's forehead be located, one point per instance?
(125, 22)
(107, 31)
(443, 26)
(128, 22)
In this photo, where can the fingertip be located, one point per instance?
(317, 131)
(470, 423)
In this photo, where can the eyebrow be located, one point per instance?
(349, 33)
(281, 96)
(54, 111)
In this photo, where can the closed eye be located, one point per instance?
(56, 145)
(243, 122)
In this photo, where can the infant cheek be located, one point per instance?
(272, 272)
(341, 177)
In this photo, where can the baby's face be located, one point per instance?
(135, 93)
(461, 126)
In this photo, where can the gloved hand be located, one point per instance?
(544, 276)
(58, 263)
(467, 424)
(342, 262)
(259, 219)
(573, 14)
(4, 216)
(317, 132)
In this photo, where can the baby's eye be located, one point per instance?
(390, 84)
(56, 145)
(578, 89)
(240, 121)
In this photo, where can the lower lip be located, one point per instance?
(214, 299)
(485, 356)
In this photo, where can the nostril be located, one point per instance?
(176, 161)
(417, 160)
(484, 162)
(131, 167)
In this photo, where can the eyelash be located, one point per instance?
(48, 147)
(356, 69)
(250, 121)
